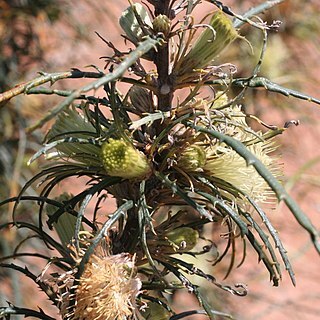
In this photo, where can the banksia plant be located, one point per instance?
(178, 168)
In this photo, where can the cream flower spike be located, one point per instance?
(228, 165)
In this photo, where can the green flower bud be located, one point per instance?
(192, 158)
(130, 24)
(216, 37)
(121, 159)
(162, 24)
(181, 239)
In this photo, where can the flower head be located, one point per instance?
(156, 311)
(192, 158)
(220, 161)
(161, 23)
(226, 164)
(107, 288)
(181, 239)
(121, 159)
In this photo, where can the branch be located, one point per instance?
(242, 19)
(13, 310)
(42, 285)
(24, 87)
(44, 77)
(260, 82)
(256, 10)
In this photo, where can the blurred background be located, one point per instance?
(47, 35)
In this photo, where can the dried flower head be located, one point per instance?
(107, 289)
(141, 100)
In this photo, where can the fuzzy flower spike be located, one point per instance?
(226, 164)
(218, 160)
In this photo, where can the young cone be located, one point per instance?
(121, 159)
